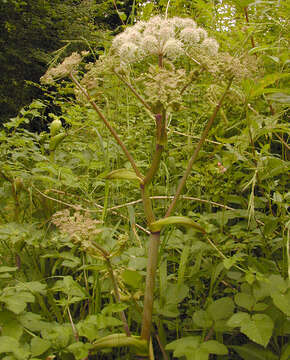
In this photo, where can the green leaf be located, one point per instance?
(202, 319)
(10, 345)
(221, 309)
(214, 347)
(259, 329)
(282, 301)
(16, 301)
(10, 325)
(132, 278)
(156, 226)
(79, 350)
(123, 174)
(38, 346)
(246, 301)
(238, 319)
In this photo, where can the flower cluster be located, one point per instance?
(63, 69)
(166, 37)
(77, 226)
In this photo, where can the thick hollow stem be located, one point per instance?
(108, 125)
(154, 242)
(196, 151)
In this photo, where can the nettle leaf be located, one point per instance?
(258, 328)
(221, 309)
(246, 301)
(254, 352)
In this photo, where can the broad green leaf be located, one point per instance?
(123, 174)
(38, 346)
(246, 301)
(156, 226)
(10, 345)
(176, 293)
(79, 350)
(221, 309)
(214, 347)
(9, 325)
(113, 308)
(282, 301)
(202, 319)
(254, 352)
(16, 301)
(132, 278)
(259, 329)
(238, 319)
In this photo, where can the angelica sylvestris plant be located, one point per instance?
(149, 59)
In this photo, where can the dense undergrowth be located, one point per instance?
(74, 237)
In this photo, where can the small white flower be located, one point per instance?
(202, 33)
(150, 44)
(189, 35)
(165, 33)
(134, 36)
(173, 48)
(211, 45)
(128, 52)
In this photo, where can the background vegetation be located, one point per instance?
(225, 295)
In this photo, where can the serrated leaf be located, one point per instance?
(221, 309)
(123, 174)
(156, 226)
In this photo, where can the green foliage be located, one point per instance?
(222, 292)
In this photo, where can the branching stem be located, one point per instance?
(108, 125)
(197, 149)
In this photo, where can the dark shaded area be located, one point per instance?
(31, 30)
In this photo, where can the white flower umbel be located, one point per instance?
(211, 45)
(162, 37)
